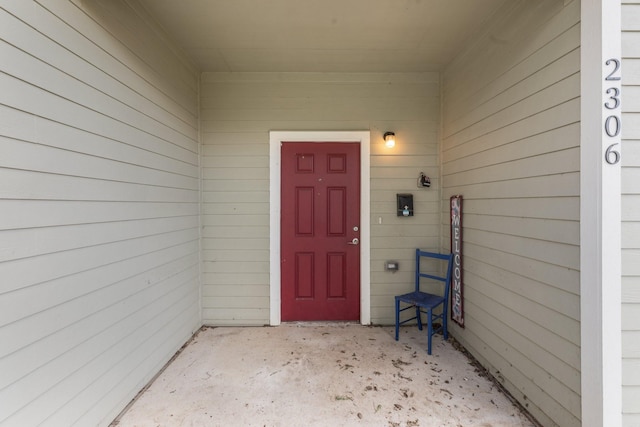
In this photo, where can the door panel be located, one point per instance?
(320, 218)
(336, 274)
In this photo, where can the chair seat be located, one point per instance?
(420, 298)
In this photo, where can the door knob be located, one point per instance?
(355, 241)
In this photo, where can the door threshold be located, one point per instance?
(313, 323)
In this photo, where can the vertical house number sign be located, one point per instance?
(612, 121)
(457, 314)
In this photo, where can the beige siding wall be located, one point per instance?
(511, 148)
(631, 213)
(99, 204)
(239, 110)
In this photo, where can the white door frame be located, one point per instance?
(275, 140)
(600, 218)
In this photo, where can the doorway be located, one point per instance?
(355, 138)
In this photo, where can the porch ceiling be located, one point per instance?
(322, 35)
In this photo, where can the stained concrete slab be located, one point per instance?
(321, 375)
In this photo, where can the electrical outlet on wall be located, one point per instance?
(391, 266)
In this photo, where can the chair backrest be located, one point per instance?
(446, 279)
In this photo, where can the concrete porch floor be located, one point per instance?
(320, 375)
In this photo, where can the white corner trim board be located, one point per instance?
(600, 213)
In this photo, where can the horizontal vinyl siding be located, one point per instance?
(511, 148)
(631, 214)
(99, 208)
(239, 110)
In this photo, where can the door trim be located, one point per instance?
(275, 139)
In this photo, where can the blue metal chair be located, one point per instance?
(424, 302)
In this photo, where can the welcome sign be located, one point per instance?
(457, 314)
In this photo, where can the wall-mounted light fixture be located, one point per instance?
(389, 139)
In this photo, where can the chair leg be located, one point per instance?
(397, 318)
(429, 330)
(418, 317)
(445, 333)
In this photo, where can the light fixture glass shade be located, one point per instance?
(390, 139)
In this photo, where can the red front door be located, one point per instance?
(320, 214)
